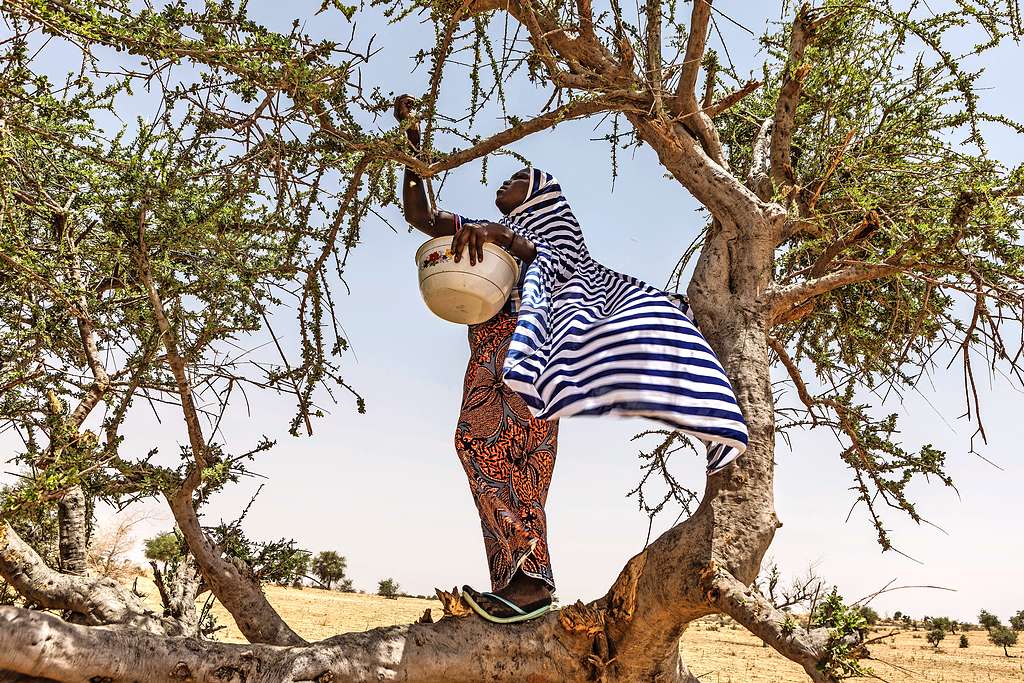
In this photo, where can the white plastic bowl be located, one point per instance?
(461, 293)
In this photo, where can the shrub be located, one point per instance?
(963, 640)
(935, 636)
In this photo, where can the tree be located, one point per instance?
(164, 548)
(935, 636)
(832, 249)
(328, 566)
(869, 614)
(1003, 637)
(1017, 621)
(897, 616)
(988, 620)
(907, 620)
(388, 588)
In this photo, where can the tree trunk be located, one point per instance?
(72, 518)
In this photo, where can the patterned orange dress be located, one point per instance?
(508, 456)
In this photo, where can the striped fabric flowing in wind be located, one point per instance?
(592, 341)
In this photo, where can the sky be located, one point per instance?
(387, 491)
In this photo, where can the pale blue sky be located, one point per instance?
(387, 491)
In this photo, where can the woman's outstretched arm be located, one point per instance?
(415, 204)
(437, 223)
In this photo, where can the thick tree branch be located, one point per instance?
(686, 105)
(655, 79)
(572, 110)
(783, 300)
(730, 100)
(38, 644)
(709, 182)
(804, 26)
(98, 601)
(696, 44)
(806, 647)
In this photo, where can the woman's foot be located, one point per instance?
(501, 610)
(523, 589)
(523, 598)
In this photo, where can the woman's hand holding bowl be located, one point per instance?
(474, 235)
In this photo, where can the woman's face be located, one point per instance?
(513, 191)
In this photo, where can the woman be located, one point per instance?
(575, 338)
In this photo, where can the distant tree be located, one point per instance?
(1002, 636)
(935, 636)
(1017, 621)
(346, 586)
(329, 567)
(963, 640)
(165, 548)
(988, 620)
(870, 615)
(388, 588)
(897, 615)
(945, 623)
(907, 621)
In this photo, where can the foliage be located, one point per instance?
(847, 627)
(165, 548)
(935, 636)
(329, 566)
(279, 561)
(988, 620)
(388, 588)
(861, 154)
(36, 525)
(1017, 621)
(944, 623)
(300, 570)
(963, 640)
(1002, 637)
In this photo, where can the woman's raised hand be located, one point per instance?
(473, 236)
(404, 105)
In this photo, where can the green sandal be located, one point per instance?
(503, 611)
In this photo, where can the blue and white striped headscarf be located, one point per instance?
(592, 341)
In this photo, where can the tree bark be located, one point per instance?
(97, 601)
(72, 520)
(466, 650)
(179, 586)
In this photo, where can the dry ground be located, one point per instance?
(716, 649)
